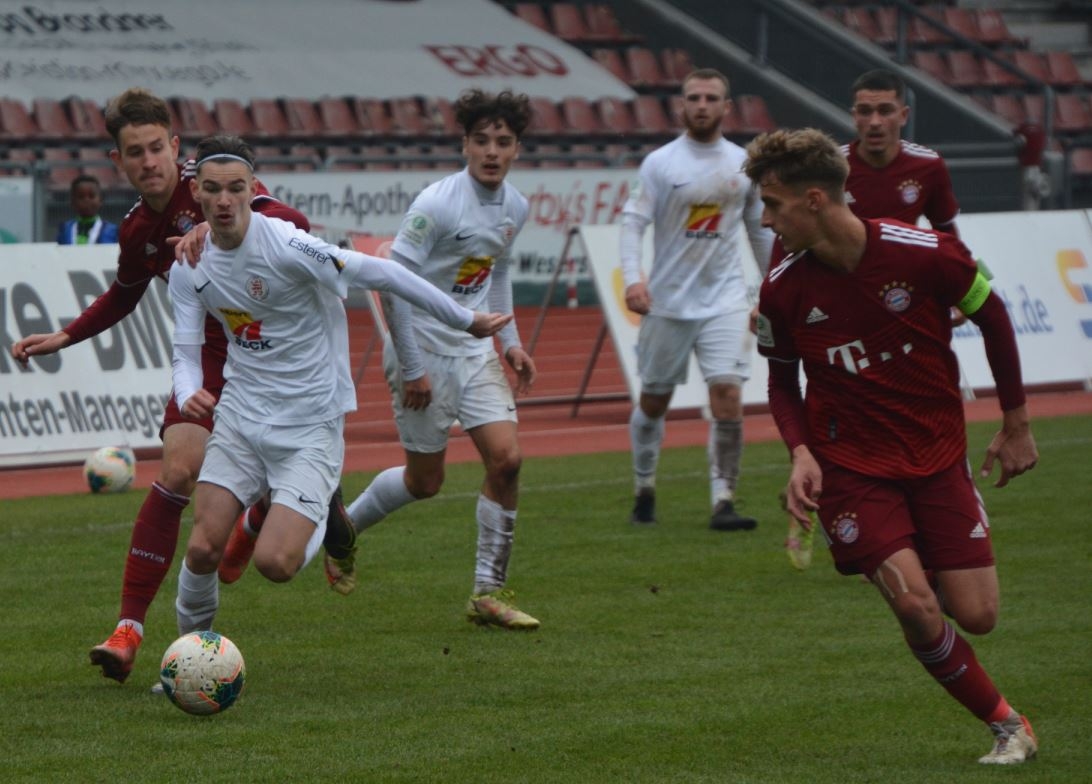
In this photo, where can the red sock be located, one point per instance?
(951, 661)
(151, 550)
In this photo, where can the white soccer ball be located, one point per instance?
(110, 469)
(202, 673)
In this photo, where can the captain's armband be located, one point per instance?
(975, 296)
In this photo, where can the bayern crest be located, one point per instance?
(896, 296)
(846, 529)
(910, 191)
(185, 220)
(257, 288)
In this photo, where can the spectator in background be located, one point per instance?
(87, 228)
(695, 298)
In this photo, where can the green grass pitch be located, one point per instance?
(667, 654)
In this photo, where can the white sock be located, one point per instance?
(136, 626)
(198, 599)
(725, 451)
(646, 435)
(384, 495)
(496, 527)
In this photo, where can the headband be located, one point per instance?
(225, 156)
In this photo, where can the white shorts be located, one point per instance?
(720, 343)
(300, 464)
(473, 390)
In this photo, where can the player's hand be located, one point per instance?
(638, 299)
(526, 372)
(38, 345)
(487, 324)
(959, 318)
(804, 488)
(752, 322)
(1014, 446)
(187, 248)
(417, 394)
(199, 405)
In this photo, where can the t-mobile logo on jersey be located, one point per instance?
(854, 357)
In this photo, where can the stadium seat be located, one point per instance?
(730, 123)
(568, 23)
(302, 119)
(413, 157)
(677, 65)
(579, 117)
(310, 160)
(586, 156)
(262, 162)
(231, 117)
(1072, 114)
(371, 116)
(993, 75)
(754, 117)
(887, 26)
(1062, 70)
(440, 115)
(53, 123)
(620, 154)
(341, 158)
(965, 69)
(15, 121)
(550, 149)
(992, 30)
(615, 116)
(1010, 108)
(863, 23)
(266, 118)
(96, 162)
(25, 157)
(61, 168)
(649, 117)
(932, 63)
(675, 105)
(194, 119)
(532, 13)
(87, 119)
(337, 118)
(603, 25)
(1080, 161)
(962, 21)
(611, 60)
(644, 68)
(406, 118)
(1031, 63)
(546, 120)
(922, 33)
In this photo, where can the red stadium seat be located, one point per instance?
(677, 65)
(302, 119)
(372, 117)
(1080, 161)
(62, 168)
(551, 150)
(262, 162)
(87, 119)
(992, 30)
(612, 61)
(1010, 108)
(568, 22)
(644, 68)
(1072, 114)
(924, 34)
(754, 117)
(231, 117)
(312, 162)
(1062, 70)
(532, 13)
(615, 115)
(53, 123)
(579, 117)
(440, 114)
(194, 119)
(603, 25)
(887, 26)
(675, 104)
(1031, 63)
(337, 118)
(962, 21)
(25, 156)
(96, 162)
(731, 124)
(266, 118)
(413, 157)
(339, 158)
(546, 120)
(406, 118)
(863, 23)
(993, 75)
(649, 117)
(965, 69)
(15, 121)
(586, 156)
(932, 63)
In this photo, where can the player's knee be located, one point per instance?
(504, 468)
(425, 485)
(277, 567)
(179, 476)
(980, 619)
(917, 613)
(202, 556)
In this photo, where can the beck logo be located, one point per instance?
(703, 222)
(247, 331)
(472, 274)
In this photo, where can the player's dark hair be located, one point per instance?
(223, 145)
(879, 79)
(707, 73)
(475, 109)
(798, 158)
(84, 179)
(136, 106)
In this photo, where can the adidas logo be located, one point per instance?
(978, 532)
(150, 249)
(849, 198)
(815, 316)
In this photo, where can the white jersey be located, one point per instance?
(279, 298)
(459, 234)
(698, 199)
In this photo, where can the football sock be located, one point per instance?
(134, 625)
(496, 527)
(151, 550)
(646, 435)
(725, 451)
(951, 661)
(1002, 712)
(254, 517)
(385, 494)
(198, 600)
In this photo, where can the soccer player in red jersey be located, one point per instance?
(147, 153)
(888, 176)
(878, 444)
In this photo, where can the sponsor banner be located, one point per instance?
(110, 390)
(374, 203)
(16, 209)
(207, 49)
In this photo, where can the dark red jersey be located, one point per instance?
(883, 392)
(915, 183)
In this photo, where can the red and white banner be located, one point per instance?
(215, 49)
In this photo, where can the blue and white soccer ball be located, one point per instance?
(202, 673)
(110, 469)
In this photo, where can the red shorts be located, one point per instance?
(866, 519)
(212, 369)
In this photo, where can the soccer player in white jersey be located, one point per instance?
(277, 292)
(695, 299)
(458, 235)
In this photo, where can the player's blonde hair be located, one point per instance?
(806, 157)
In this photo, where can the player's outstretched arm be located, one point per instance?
(1013, 446)
(38, 345)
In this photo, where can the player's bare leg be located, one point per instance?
(646, 435)
(725, 452)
